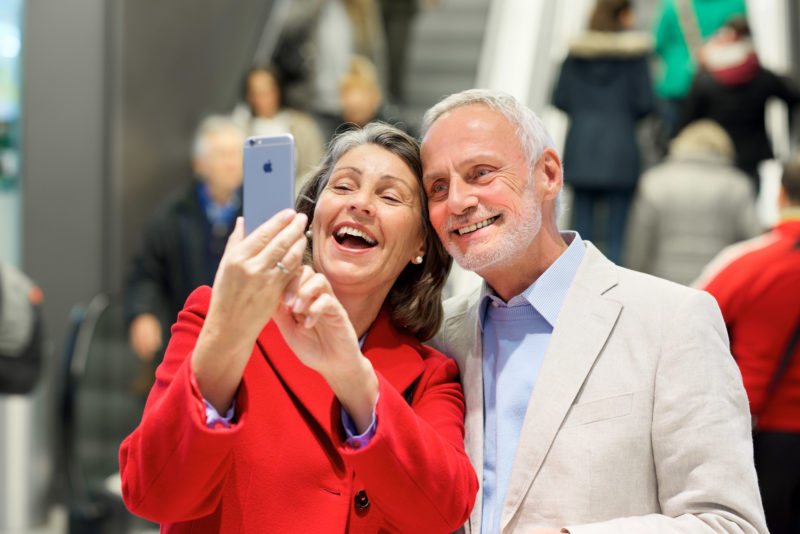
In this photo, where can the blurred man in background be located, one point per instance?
(185, 237)
(757, 286)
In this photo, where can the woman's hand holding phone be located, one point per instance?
(252, 276)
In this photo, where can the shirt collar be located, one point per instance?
(547, 293)
(218, 213)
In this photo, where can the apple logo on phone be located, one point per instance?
(268, 166)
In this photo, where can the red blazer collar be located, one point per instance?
(394, 354)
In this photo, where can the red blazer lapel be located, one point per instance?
(394, 354)
(303, 384)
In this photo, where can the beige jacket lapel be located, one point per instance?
(582, 328)
(461, 340)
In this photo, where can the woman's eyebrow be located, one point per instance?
(348, 168)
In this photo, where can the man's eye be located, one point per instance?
(438, 187)
(482, 172)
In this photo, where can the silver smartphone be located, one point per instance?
(268, 178)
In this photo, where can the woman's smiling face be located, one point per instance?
(368, 221)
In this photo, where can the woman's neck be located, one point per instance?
(361, 309)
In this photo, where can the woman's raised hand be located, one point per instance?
(248, 287)
(317, 328)
(254, 271)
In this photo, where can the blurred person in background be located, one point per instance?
(184, 237)
(604, 87)
(21, 331)
(690, 206)
(296, 396)
(757, 286)
(732, 88)
(398, 17)
(362, 101)
(265, 114)
(317, 41)
(680, 27)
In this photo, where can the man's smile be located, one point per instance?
(477, 226)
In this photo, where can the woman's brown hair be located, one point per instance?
(606, 15)
(415, 299)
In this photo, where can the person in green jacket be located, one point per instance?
(679, 28)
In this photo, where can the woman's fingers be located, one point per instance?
(290, 238)
(314, 300)
(237, 235)
(308, 291)
(265, 233)
(324, 306)
(290, 292)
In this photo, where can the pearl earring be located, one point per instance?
(418, 260)
(308, 233)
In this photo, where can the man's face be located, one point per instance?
(481, 195)
(220, 166)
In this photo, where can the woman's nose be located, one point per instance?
(363, 201)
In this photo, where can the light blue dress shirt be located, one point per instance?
(515, 338)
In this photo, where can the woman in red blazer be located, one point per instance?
(333, 417)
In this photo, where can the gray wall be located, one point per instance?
(177, 61)
(63, 152)
(112, 91)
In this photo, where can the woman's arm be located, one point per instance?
(247, 290)
(173, 466)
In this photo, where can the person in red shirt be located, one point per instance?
(757, 286)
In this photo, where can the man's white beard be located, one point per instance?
(513, 242)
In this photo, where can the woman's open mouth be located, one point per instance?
(350, 237)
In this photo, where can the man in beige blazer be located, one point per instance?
(635, 419)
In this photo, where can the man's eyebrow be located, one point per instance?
(481, 158)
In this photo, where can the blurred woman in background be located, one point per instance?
(605, 88)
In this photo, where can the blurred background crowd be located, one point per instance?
(121, 128)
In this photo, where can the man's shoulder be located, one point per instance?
(632, 289)
(462, 303)
(179, 203)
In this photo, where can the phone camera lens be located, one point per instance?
(252, 142)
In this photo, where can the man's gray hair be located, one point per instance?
(210, 125)
(532, 134)
(529, 128)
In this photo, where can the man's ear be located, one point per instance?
(550, 173)
(198, 167)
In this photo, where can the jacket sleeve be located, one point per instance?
(644, 100)
(416, 460)
(561, 98)
(173, 466)
(702, 444)
(695, 102)
(147, 276)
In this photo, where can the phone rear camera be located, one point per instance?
(252, 142)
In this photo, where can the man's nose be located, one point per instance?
(461, 196)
